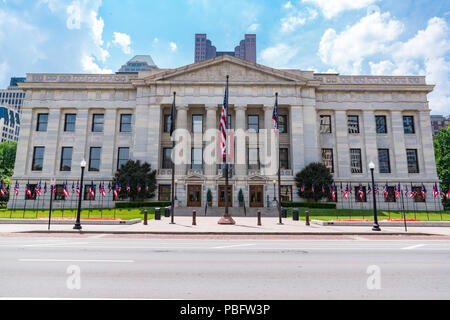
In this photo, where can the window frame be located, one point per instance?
(388, 160)
(194, 121)
(353, 169)
(325, 125)
(284, 123)
(67, 122)
(287, 166)
(33, 163)
(94, 122)
(384, 126)
(61, 165)
(412, 125)
(196, 166)
(350, 125)
(40, 122)
(252, 124)
(416, 155)
(167, 160)
(256, 166)
(122, 123)
(119, 160)
(332, 159)
(90, 168)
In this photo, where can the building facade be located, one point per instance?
(11, 101)
(204, 49)
(342, 121)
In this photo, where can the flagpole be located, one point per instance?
(279, 167)
(172, 127)
(226, 217)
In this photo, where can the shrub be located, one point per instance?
(151, 204)
(319, 205)
(317, 174)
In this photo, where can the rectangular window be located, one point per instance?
(164, 192)
(253, 158)
(167, 122)
(87, 194)
(391, 195)
(59, 193)
(284, 158)
(408, 124)
(32, 191)
(286, 193)
(42, 122)
(66, 159)
(122, 157)
(196, 158)
(69, 122)
(97, 122)
(327, 159)
(38, 158)
(253, 123)
(325, 124)
(384, 161)
(197, 123)
(418, 196)
(125, 123)
(353, 124)
(355, 161)
(411, 158)
(358, 197)
(381, 125)
(94, 159)
(282, 124)
(167, 158)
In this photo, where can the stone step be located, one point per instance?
(217, 212)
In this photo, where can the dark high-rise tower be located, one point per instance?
(205, 50)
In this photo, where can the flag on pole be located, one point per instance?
(45, 188)
(448, 193)
(66, 190)
(312, 187)
(375, 189)
(397, 191)
(369, 188)
(103, 191)
(435, 190)
(386, 191)
(147, 187)
(2, 189)
(406, 190)
(128, 188)
(172, 116)
(92, 190)
(441, 192)
(16, 188)
(333, 194)
(7, 189)
(109, 187)
(28, 190)
(413, 193)
(275, 115)
(346, 192)
(38, 189)
(323, 188)
(138, 187)
(78, 190)
(303, 188)
(424, 192)
(223, 124)
(116, 191)
(361, 192)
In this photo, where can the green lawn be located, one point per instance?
(124, 214)
(346, 214)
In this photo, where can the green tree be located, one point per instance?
(132, 173)
(7, 159)
(317, 174)
(442, 154)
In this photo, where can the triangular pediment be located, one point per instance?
(215, 71)
(257, 178)
(194, 176)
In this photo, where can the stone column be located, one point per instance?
(24, 148)
(429, 163)
(398, 142)
(311, 132)
(370, 140)
(297, 133)
(210, 152)
(153, 140)
(241, 149)
(182, 142)
(108, 143)
(141, 127)
(269, 146)
(342, 154)
(80, 149)
(51, 145)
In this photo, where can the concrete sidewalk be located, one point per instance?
(244, 225)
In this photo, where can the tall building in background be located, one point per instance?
(205, 50)
(138, 63)
(11, 101)
(439, 122)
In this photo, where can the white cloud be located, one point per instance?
(279, 55)
(90, 66)
(331, 8)
(253, 27)
(296, 18)
(287, 5)
(173, 46)
(156, 40)
(346, 51)
(122, 40)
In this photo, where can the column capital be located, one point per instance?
(268, 108)
(211, 107)
(240, 107)
(183, 107)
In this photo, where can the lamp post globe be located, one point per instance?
(78, 222)
(376, 226)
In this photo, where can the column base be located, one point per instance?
(226, 219)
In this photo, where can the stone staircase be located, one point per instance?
(217, 212)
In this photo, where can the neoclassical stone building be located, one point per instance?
(343, 121)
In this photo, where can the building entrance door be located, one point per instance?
(256, 196)
(194, 196)
(221, 201)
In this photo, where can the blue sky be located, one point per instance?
(346, 36)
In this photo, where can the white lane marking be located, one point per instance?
(234, 245)
(74, 260)
(98, 236)
(413, 247)
(55, 244)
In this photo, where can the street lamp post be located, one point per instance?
(78, 223)
(375, 227)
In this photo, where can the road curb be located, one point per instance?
(236, 233)
(70, 222)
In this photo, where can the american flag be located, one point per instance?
(369, 188)
(413, 192)
(398, 191)
(312, 188)
(435, 190)
(346, 192)
(138, 187)
(223, 124)
(78, 190)
(16, 189)
(406, 190)
(386, 191)
(92, 190)
(103, 191)
(303, 188)
(275, 115)
(2, 188)
(333, 194)
(361, 192)
(424, 192)
(116, 191)
(38, 189)
(66, 190)
(45, 188)
(28, 189)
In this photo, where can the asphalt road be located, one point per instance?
(102, 267)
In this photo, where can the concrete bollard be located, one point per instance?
(307, 218)
(259, 218)
(194, 218)
(145, 216)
